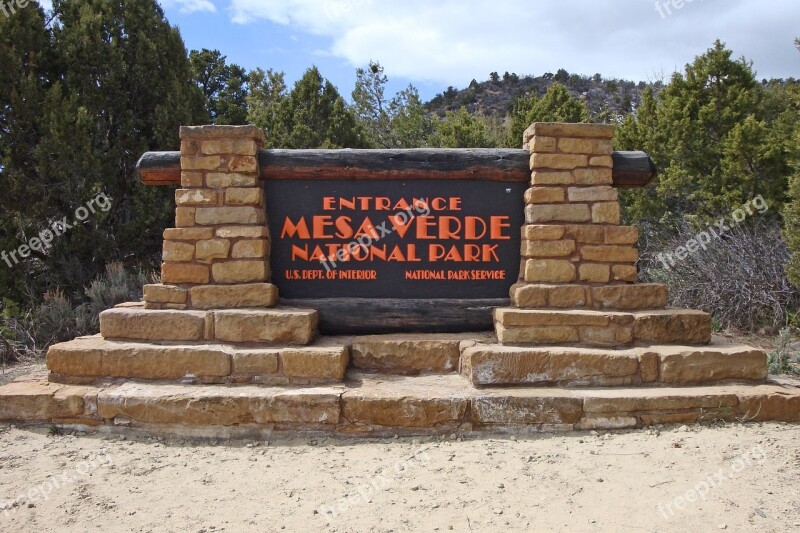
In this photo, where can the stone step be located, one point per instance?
(385, 405)
(412, 354)
(493, 365)
(571, 296)
(87, 359)
(601, 328)
(281, 325)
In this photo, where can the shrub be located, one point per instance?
(740, 278)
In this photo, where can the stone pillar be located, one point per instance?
(217, 255)
(572, 235)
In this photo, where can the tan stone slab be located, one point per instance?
(403, 402)
(684, 365)
(38, 401)
(279, 325)
(631, 400)
(643, 296)
(539, 213)
(97, 357)
(315, 362)
(145, 324)
(188, 405)
(771, 402)
(559, 129)
(509, 316)
(504, 365)
(234, 296)
(525, 407)
(536, 335)
(672, 326)
(255, 361)
(410, 353)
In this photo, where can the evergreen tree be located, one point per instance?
(715, 141)
(265, 102)
(460, 129)
(224, 86)
(557, 105)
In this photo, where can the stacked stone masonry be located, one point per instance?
(221, 237)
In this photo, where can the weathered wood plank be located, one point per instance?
(631, 169)
(360, 316)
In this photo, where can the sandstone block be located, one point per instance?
(536, 214)
(543, 178)
(648, 366)
(39, 401)
(407, 354)
(259, 361)
(239, 272)
(165, 294)
(592, 176)
(250, 249)
(189, 405)
(543, 144)
(210, 216)
(525, 407)
(184, 217)
(243, 164)
(530, 296)
(606, 213)
(212, 162)
(643, 296)
(212, 249)
(594, 273)
(195, 197)
(536, 335)
(224, 180)
(191, 179)
(593, 194)
(610, 254)
(627, 273)
(601, 161)
(177, 251)
(97, 357)
(542, 233)
(557, 129)
(583, 145)
(244, 232)
(509, 317)
(244, 196)
(547, 248)
(566, 296)
(673, 326)
(282, 325)
(230, 146)
(142, 324)
(549, 271)
(586, 233)
(558, 161)
(234, 296)
(622, 235)
(544, 195)
(684, 365)
(176, 273)
(315, 363)
(188, 234)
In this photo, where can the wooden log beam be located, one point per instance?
(631, 169)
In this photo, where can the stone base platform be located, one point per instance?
(374, 404)
(601, 328)
(592, 367)
(89, 359)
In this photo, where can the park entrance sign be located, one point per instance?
(388, 292)
(396, 240)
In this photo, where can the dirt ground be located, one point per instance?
(700, 478)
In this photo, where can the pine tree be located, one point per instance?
(557, 105)
(224, 86)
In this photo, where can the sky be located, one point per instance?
(435, 44)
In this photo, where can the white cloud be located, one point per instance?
(191, 6)
(452, 41)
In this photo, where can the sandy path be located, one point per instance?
(566, 482)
